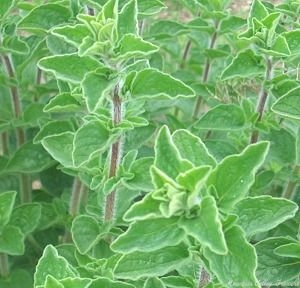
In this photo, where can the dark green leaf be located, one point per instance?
(7, 201)
(12, 241)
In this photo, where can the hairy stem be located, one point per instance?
(263, 96)
(115, 155)
(24, 179)
(4, 265)
(204, 278)
(75, 197)
(206, 71)
(290, 189)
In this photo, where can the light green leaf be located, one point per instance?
(134, 46)
(167, 157)
(90, 139)
(150, 83)
(108, 283)
(52, 264)
(144, 209)
(15, 45)
(30, 158)
(26, 217)
(231, 24)
(258, 11)
(222, 117)
(85, 233)
(167, 29)
(150, 7)
(76, 282)
(192, 148)
(288, 250)
(53, 128)
(64, 102)
(206, 227)
(160, 233)
(51, 282)
(262, 213)
(273, 268)
(177, 282)
(73, 34)
(42, 18)
(233, 177)
(238, 265)
(12, 241)
(280, 47)
(127, 19)
(154, 282)
(292, 38)
(5, 7)
(60, 147)
(289, 104)
(140, 264)
(95, 87)
(69, 67)
(245, 65)
(7, 201)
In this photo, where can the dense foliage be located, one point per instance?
(149, 144)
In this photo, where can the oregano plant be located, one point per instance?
(149, 144)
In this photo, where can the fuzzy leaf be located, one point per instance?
(192, 148)
(156, 263)
(60, 147)
(154, 282)
(245, 65)
(150, 83)
(206, 227)
(108, 283)
(234, 267)
(5, 7)
(160, 233)
(127, 19)
(91, 138)
(69, 67)
(150, 7)
(52, 264)
(289, 104)
(30, 158)
(64, 102)
(258, 11)
(288, 250)
(222, 117)
(7, 201)
(292, 38)
(12, 241)
(233, 177)
(262, 213)
(44, 17)
(167, 28)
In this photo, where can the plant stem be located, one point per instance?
(206, 71)
(115, 155)
(290, 189)
(262, 100)
(4, 143)
(75, 197)
(25, 181)
(4, 265)
(204, 278)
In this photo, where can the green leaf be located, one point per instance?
(7, 201)
(289, 104)
(150, 7)
(76, 282)
(154, 282)
(234, 176)
(95, 87)
(273, 268)
(127, 19)
(144, 209)
(30, 158)
(140, 264)
(245, 65)
(52, 264)
(60, 147)
(206, 227)
(69, 67)
(5, 7)
(288, 250)
(85, 233)
(72, 34)
(90, 139)
(238, 265)
(177, 282)
(192, 148)
(42, 18)
(53, 128)
(262, 213)
(258, 11)
(222, 117)
(149, 235)
(12, 241)
(134, 46)
(167, 157)
(150, 83)
(51, 282)
(108, 283)
(167, 29)
(26, 217)
(15, 45)
(64, 102)
(231, 24)
(292, 39)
